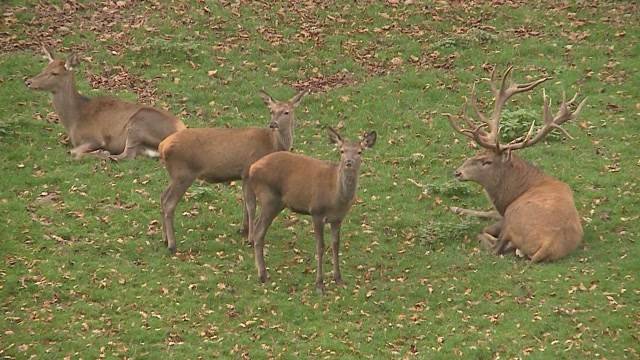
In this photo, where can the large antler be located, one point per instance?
(550, 122)
(502, 91)
(507, 89)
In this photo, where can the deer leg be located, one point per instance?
(90, 148)
(494, 229)
(488, 238)
(249, 210)
(169, 201)
(132, 145)
(269, 209)
(487, 241)
(501, 245)
(318, 230)
(146, 129)
(492, 214)
(541, 255)
(335, 248)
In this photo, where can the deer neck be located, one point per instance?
(68, 103)
(347, 183)
(515, 179)
(283, 138)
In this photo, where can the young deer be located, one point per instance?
(102, 126)
(536, 213)
(308, 186)
(220, 155)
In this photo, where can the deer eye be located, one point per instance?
(341, 151)
(359, 152)
(286, 113)
(486, 162)
(55, 73)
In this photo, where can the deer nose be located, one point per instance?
(28, 82)
(273, 125)
(348, 163)
(457, 174)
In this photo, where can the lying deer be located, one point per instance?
(535, 212)
(220, 155)
(102, 126)
(309, 186)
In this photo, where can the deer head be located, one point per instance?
(55, 75)
(282, 111)
(489, 166)
(351, 151)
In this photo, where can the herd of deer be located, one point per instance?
(535, 213)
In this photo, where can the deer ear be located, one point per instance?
(72, 61)
(48, 54)
(334, 137)
(295, 100)
(268, 100)
(369, 139)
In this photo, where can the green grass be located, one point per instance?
(84, 271)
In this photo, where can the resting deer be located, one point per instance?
(102, 126)
(308, 186)
(220, 155)
(536, 213)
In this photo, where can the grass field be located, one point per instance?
(85, 273)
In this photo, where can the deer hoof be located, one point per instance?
(339, 281)
(320, 289)
(172, 249)
(263, 278)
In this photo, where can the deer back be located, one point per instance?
(304, 184)
(216, 154)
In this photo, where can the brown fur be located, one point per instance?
(324, 190)
(220, 155)
(539, 215)
(102, 126)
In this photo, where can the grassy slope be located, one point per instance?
(85, 273)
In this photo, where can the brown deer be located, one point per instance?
(102, 126)
(308, 186)
(220, 155)
(536, 213)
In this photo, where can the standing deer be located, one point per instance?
(102, 126)
(308, 186)
(220, 155)
(535, 212)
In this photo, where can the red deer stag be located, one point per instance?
(220, 155)
(308, 186)
(536, 216)
(102, 126)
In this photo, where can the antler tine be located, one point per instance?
(550, 123)
(47, 53)
(474, 106)
(456, 127)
